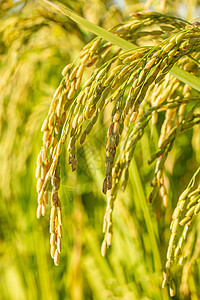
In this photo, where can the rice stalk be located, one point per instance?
(140, 86)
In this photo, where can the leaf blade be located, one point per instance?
(186, 77)
(179, 73)
(108, 36)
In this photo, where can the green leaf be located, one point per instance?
(186, 77)
(106, 35)
(182, 75)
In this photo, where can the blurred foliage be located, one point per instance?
(35, 45)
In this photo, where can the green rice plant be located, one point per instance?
(35, 44)
(141, 82)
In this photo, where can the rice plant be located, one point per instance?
(139, 83)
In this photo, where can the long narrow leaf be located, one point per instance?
(182, 75)
(186, 77)
(108, 36)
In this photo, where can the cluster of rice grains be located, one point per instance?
(188, 206)
(140, 86)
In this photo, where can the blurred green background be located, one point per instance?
(35, 45)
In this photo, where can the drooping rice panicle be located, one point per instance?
(138, 85)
